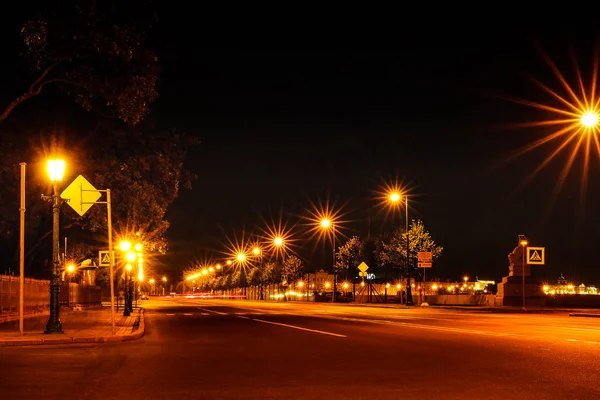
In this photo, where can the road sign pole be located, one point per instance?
(112, 260)
(22, 251)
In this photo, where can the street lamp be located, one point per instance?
(56, 170)
(327, 223)
(524, 242)
(395, 198)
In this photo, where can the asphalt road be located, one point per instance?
(216, 349)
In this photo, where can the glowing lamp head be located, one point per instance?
(589, 119)
(256, 251)
(138, 247)
(228, 262)
(70, 268)
(130, 256)
(125, 245)
(56, 170)
(218, 266)
(523, 242)
(278, 241)
(241, 257)
(394, 197)
(325, 223)
(128, 267)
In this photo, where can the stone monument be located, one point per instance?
(510, 290)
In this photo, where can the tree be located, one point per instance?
(394, 251)
(292, 268)
(348, 257)
(143, 169)
(88, 53)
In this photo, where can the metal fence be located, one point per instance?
(37, 295)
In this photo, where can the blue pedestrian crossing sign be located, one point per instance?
(536, 255)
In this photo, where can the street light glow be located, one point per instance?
(325, 223)
(394, 197)
(256, 251)
(589, 119)
(56, 170)
(125, 245)
(241, 257)
(278, 241)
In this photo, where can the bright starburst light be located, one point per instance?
(277, 237)
(323, 219)
(573, 122)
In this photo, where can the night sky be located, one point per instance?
(286, 122)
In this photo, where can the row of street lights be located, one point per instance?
(328, 224)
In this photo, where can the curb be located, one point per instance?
(584, 315)
(136, 334)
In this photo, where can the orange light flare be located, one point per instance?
(391, 198)
(278, 239)
(239, 252)
(572, 126)
(325, 219)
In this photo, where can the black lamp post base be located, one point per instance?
(54, 327)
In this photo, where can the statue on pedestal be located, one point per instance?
(519, 281)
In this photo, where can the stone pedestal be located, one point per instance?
(510, 290)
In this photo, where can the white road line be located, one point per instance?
(213, 311)
(573, 340)
(170, 314)
(293, 327)
(188, 314)
(204, 313)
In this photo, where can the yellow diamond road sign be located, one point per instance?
(81, 195)
(363, 267)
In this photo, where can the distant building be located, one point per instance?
(564, 286)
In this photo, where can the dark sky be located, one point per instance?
(284, 122)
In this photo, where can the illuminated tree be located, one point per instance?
(292, 268)
(393, 250)
(348, 257)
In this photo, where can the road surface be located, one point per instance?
(220, 349)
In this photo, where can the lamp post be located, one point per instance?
(327, 223)
(409, 301)
(523, 242)
(56, 169)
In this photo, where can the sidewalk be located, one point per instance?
(92, 325)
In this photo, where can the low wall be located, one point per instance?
(573, 301)
(487, 300)
(37, 296)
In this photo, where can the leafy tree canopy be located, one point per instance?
(94, 52)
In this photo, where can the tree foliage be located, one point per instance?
(348, 257)
(292, 268)
(393, 250)
(144, 171)
(94, 52)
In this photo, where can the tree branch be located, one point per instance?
(34, 89)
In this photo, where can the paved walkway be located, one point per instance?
(92, 325)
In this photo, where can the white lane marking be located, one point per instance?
(170, 314)
(204, 313)
(293, 326)
(188, 314)
(573, 340)
(212, 311)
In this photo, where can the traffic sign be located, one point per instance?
(363, 267)
(536, 255)
(80, 195)
(425, 256)
(424, 265)
(103, 258)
